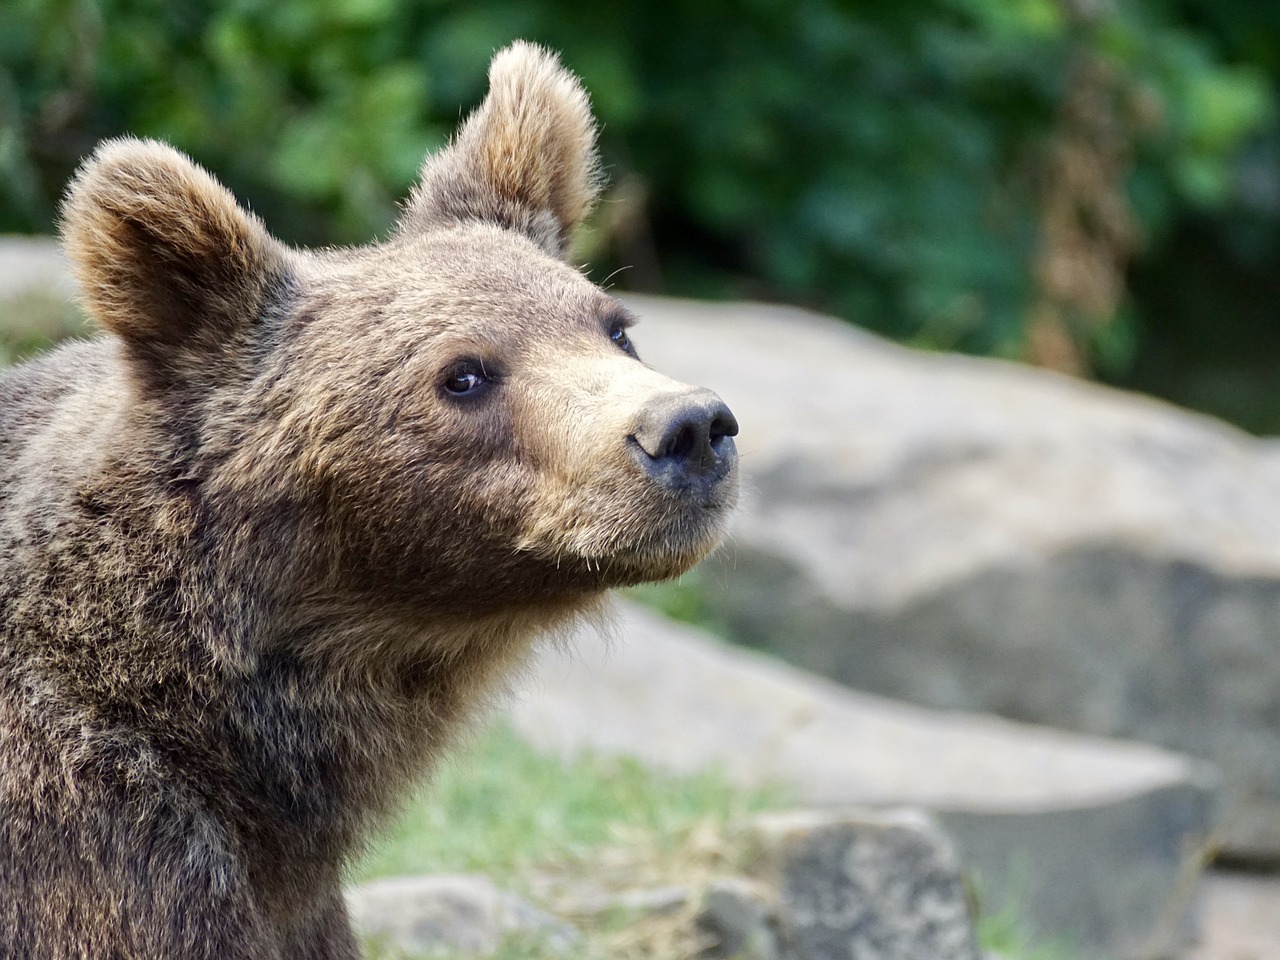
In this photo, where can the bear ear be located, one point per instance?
(525, 159)
(164, 256)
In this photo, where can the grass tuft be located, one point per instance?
(35, 321)
(499, 807)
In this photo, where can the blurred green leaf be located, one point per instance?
(1224, 106)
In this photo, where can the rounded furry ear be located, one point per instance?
(165, 257)
(525, 159)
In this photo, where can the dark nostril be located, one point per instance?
(723, 424)
(681, 442)
(688, 439)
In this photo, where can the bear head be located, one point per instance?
(455, 419)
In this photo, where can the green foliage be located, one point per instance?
(884, 162)
(1208, 287)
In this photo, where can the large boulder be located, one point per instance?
(1094, 841)
(977, 535)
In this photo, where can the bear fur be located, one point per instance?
(266, 542)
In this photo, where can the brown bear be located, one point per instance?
(264, 543)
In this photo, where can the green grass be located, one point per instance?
(683, 600)
(1005, 935)
(32, 322)
(499, 807)
(530, 821)
(534, 824)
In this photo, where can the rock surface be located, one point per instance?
(1241, 917)
(977, 535)
(728, 917)
(1090, 839)
(428, 915)
(742, 921)
(871, 886)
(33, 265)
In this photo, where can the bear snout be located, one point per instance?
(684, 442)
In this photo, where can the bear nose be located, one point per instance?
(686, 441)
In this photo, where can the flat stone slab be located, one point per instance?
(437, 915)
(1088, 838)
(978, 535)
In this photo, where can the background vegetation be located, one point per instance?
(1093, 185)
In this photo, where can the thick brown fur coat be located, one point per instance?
(265, 542)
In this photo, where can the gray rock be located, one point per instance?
(431, 915)
(977, 535)
(735, 918)
(740, 918)
(871, 886)
(33, 265)
(589, 900)
(1088, 839)
(1241, 917)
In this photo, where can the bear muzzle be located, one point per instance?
(684, 443)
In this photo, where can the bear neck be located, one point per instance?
(337, 711)
(358, 704)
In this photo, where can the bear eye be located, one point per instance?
(465, 376)
(619, 336)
